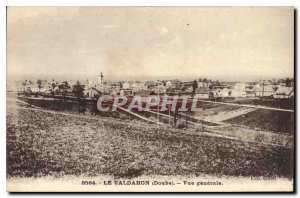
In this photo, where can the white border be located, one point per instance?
(149, 3)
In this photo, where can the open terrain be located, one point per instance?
(275, 121)
(43, 143)
(260, 119)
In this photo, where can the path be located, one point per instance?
(249, 106)
(225, 115)
(212, 134)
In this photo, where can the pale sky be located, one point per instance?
(151, 41)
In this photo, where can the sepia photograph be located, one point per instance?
(150, 99)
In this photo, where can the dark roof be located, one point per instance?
(96, 89)
(143, 92)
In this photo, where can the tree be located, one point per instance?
(78, 92)
(64, 89)
(24, 83)
(53, 85)
(195, 86)
(288, 82)
(178, 84)
(39, 84)
(121, 84)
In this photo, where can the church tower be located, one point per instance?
(100, 79)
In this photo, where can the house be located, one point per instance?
(47, 88)
(284, 92)
(92, 92)
(172, 88)
(250, 92)
(159, 83)
(187, 86)
(113, 92)
(202, 93)
(237, 93)
(142, 93)
(264, 91)
(238, 90)
(116, 88)
(136, 86)
(126, 92)
(145, 87)
(106, 89)
(203, 84)
(215, 93)
(126, 85)
(160, 89)
(150, 84)
(225, 92)
(32, 88)
(168, 84)
(240, 86)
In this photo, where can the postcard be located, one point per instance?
(150, 99)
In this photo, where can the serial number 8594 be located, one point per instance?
(88, 183)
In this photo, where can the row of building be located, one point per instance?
(201, 89)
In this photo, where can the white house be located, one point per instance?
(238, 90)
(202, 93)
(240, 86)
(225, 92)
(238, 93)
(168, 84)
(264, 91)
(33, 88)
(126, 85)
(136, 86)
(284, 92)
(203, 84)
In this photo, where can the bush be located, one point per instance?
(116, 115)
(165, 120)
(123, 116)
(180, 125)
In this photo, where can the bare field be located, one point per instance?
(41, 143)
(260, 119)
(275, 121)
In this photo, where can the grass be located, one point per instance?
(276, 121)
(41, 143)
(287, 103)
